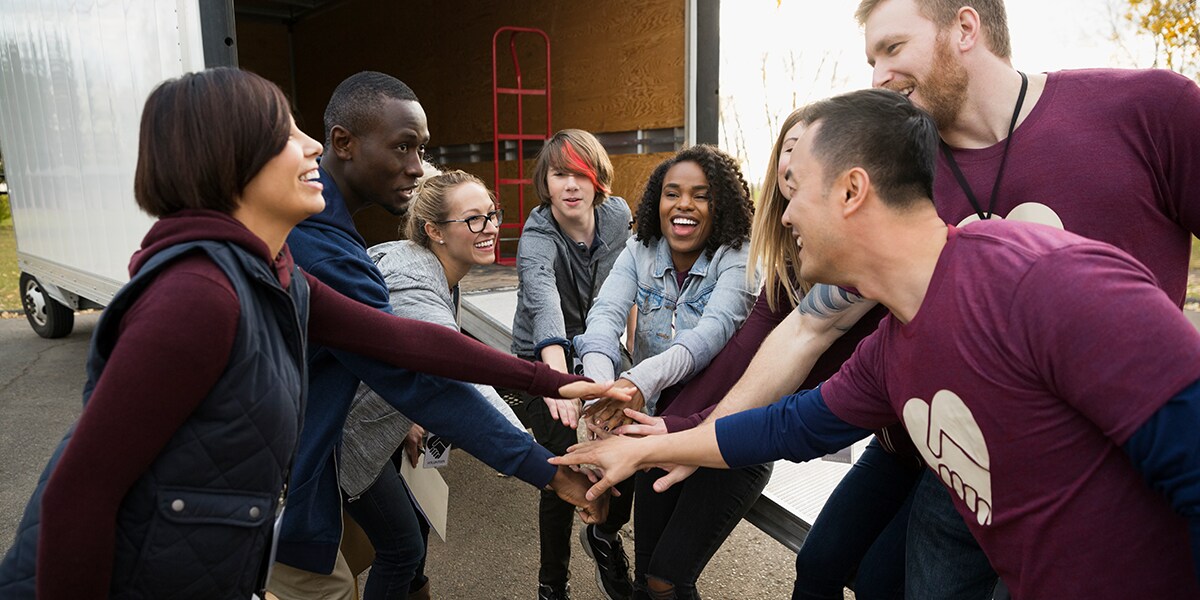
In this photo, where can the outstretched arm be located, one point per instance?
(799, 427)
(339, 322)
(785, 358)
(619, 457)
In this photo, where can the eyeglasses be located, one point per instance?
(478, 223)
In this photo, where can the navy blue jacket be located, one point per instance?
(328, 247)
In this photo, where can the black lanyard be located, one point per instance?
(962, 181)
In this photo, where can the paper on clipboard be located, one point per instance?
(431, 493)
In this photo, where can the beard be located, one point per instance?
(944, 91)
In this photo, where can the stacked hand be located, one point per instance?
(588, 390)
(573, 487)
(615, 452)
(609, 413)
(564, 409)
(616, 457)
(641, 424)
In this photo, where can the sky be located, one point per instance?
(776, 56)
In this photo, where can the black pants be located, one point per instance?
(399, 533)
(676, 532)
(555, 516)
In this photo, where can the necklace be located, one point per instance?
(958, 174)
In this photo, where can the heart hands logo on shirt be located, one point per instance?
(1027, 212)
(949, 439)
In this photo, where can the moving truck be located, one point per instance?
(75, 73)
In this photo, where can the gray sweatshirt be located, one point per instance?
(374, 430)
(559, 279)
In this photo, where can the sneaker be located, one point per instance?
(554, 592)
(612, 568)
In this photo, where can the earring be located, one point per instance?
(442, 242)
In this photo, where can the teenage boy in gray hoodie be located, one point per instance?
(567, 248)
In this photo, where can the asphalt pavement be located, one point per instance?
(491, 551)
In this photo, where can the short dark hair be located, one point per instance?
(732, 209)
(882, 132)
(359, 98)
(575, 151)
(204, 136)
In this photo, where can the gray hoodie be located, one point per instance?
(374, 430)
(559, 279)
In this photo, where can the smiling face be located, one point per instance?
(685, 212)
(382, 163)
(286, 189)
(462, 246)
(811, 211)
(572, 195)
(911, 56)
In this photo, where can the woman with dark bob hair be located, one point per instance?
(686, 272)
(169, 484)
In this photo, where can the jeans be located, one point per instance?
(398, 532)
(860, 533)
(556, 517)
(676, 532)
(944, 560)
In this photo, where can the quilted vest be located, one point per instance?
(198, 522)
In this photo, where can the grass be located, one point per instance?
(1192, 301)
(10, 298)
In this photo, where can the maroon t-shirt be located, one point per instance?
(1019, 391)
(1111, 155)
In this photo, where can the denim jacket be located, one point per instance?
(701, 317)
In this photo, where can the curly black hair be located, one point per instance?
(732, 208)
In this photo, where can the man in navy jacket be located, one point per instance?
(375, 136)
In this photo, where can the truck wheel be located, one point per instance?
(47, 316)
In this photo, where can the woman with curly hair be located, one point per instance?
(686, 271)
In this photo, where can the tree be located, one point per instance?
(1174, 25)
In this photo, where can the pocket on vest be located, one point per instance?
(204, 543)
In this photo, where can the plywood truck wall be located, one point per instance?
(616, 67)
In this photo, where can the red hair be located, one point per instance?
(576, 164)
